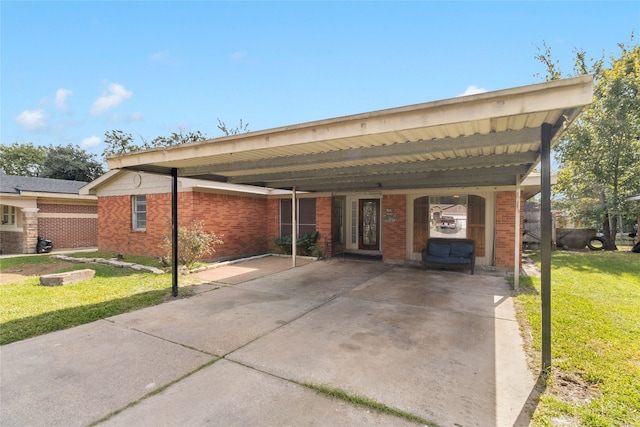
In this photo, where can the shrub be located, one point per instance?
(305, 243)
(193, 244)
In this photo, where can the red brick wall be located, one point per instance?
(324, 211)
(68, 232)
(505, 228)
(242, 222)
(394, 234)
(11, 242)
(273, 223)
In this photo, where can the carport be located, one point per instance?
(493, 139)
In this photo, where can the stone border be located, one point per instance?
(112, 262)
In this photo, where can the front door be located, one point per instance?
(369, 224)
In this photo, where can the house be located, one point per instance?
(135, 209)
(377, 182)
(134, 213)
(45, 207)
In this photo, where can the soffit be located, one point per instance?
(489, 139)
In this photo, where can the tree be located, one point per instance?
(177, 138)
(600, 154)
(71, 163)
(22, 159)
(118, 142)
(228, 131)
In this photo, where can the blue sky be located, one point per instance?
(72, 71)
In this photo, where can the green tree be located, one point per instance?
(177, 138)
(118, 142)
(228, 131)
(72, 163)
(22, 159)
(599, 156)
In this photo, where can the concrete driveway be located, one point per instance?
(444, 346)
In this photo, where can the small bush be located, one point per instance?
(305, 243)
(193, 244)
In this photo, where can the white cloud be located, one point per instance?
(61, 98)
(472, 90)
(113, 96)
(90, 142)
(32, 119)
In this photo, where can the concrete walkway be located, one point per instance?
(443, 346)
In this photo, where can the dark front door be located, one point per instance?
(369, 224)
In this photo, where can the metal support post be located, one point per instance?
(294, 227)
(174, 232)
(545, 248)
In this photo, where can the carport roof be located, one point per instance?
(488, 139)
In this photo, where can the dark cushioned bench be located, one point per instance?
(442, 252)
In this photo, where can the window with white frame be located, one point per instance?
(139, 212)
(8, 215)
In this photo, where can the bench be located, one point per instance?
(443, 252)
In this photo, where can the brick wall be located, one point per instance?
(242, 222)
(11, 242)
(273, 223)
(67, 226)
(394, 234)
(505, 228)
(324, 210)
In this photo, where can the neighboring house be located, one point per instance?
(49, 208)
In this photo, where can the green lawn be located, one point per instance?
(595, 309)
(28, 309)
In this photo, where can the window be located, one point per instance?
(139, 212)
(8, 215)
(448, 216)
(458, 216)
(306, 216)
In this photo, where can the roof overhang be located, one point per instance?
(488, 139)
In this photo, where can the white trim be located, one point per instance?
(134, 212)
